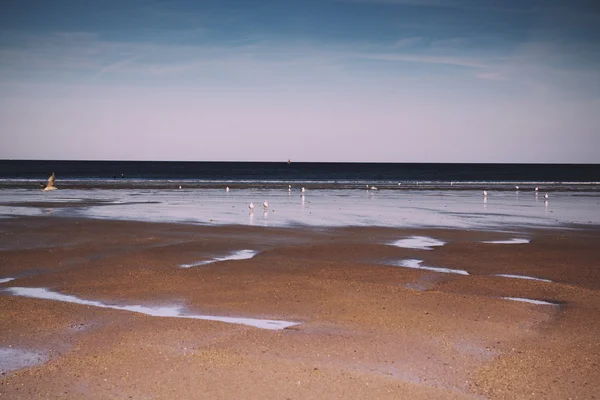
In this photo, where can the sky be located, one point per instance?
(309, 80)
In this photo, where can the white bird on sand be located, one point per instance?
(373, 188)
(485, 193)
(251, 207)
(289, 188)
(265, 205)
(50, 184)
(537, 188)
(303, 190)
(227, 189)
(179, 186)
(516, 187)
(546, 196)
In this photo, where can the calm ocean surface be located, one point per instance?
(133, 174)
(407, 195)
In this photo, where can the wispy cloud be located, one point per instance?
(492, 76)
(407, 42)
(448, 43)
(114, 67)
(423, 59)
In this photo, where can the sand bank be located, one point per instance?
(366, 328)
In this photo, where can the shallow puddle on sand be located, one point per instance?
(237, 255)
(418, 242)
(173, 311)
(416, 264)
(508, 241)
(532, 278)
(4, 280)
(531, 301)
(424, 283)
(14, 358)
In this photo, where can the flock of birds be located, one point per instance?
(266, 203)
(50, 186)
(536, 191)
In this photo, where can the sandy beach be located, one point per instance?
(364, 324)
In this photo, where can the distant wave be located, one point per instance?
(137, 183)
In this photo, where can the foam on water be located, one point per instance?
(418, 242)
(176, 312)
(237, 255)
(523, 277)
(417, 265)
(531, 301)
(4, 280)
(508, 241)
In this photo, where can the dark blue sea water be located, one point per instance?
(337, 194)
(18, 173)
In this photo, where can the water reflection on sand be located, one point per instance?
(342, 207)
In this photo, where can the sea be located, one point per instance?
(335, 194)
(124, 174)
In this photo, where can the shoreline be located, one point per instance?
(366, 328)
(315, 208)
(393, 186)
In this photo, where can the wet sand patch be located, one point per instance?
(508, 241)
(418, 242)
(532, 278)
(12, 359)
(236, 255)
(416, 264)
(424, 283)
(531, 301)
(166, 311)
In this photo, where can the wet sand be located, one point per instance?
(367, 327)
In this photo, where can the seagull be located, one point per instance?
(537, 188)
(485, 193)
(179, 186)
(373, 188)
(265, 205)
(303, 190)
(251, 207)
(227, 189)
(546, 196)
(516, 187)
(50, 184)
(289, 188)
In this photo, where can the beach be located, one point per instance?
(366, 311)
(298, 200)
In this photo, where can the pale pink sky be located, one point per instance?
(359, 80)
